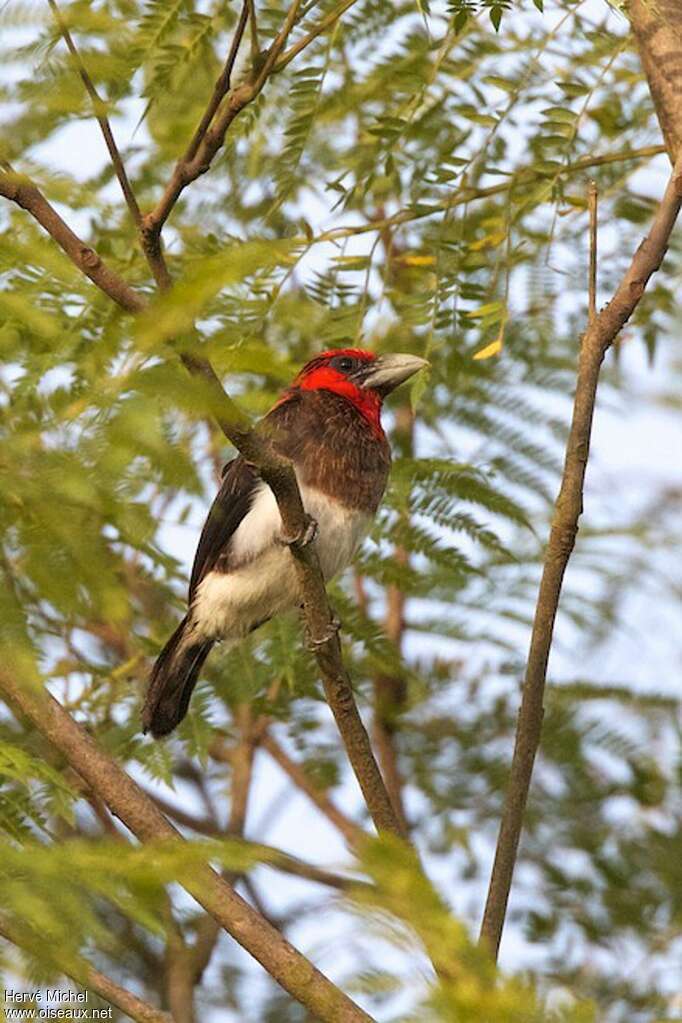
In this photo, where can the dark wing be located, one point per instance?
(233, 500)
(231, 504)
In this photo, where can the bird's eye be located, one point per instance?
(344, 363)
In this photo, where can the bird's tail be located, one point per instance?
(172, 681)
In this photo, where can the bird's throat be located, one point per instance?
(367, 402)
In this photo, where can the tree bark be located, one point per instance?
(657, 28)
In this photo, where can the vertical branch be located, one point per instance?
(389, 691)
(221, 88)
(596, 341)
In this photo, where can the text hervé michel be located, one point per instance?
(51, 1004)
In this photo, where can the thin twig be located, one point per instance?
(99, 108)
(268, 855)
(221, 88)
(153, 254)
(85, 258)
(127, 801)
(598, 337)
(326, 23)
(389, 690)
(468, 194)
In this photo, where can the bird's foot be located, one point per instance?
(330, 631)
(306, 535)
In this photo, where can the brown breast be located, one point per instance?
(333, 447)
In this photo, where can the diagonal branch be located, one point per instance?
(268, 855)
(127, 801)
(26, 194)
(467, 194)
(600, 334)
(80, 970)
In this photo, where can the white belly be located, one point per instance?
(263, 581)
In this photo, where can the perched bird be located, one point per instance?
(328, 423)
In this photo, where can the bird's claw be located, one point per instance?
(329, 633)
(306, 535)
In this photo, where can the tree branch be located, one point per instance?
(283, 962)
(177, 970)
(657, 28)
(80, 971)
(592, 207)
(389, 695)
(221, 88)
(211, 132)
(390, 690)
(268, 855)
(21, 190)
(99, 107)
(597, 339)
(24, 193)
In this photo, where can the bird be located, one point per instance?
(328, 424)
